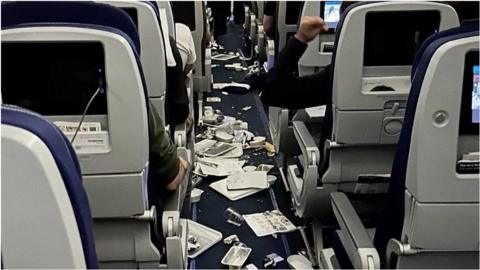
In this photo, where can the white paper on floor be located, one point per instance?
(246, 180)
(269, 222)
(220, 167)
(233, 195)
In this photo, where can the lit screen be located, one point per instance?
(332, 13)
(476, 95)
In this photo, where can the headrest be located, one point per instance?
(89, 14)
(467, 26)
(67, 163)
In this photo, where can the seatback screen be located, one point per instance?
(330, 12)
(470, 111)
(475, 95)
(392, 38)
(53, 78)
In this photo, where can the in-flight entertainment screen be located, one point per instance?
(476, 95)
(331, 13)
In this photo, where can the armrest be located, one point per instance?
(270, 53)
(180, 135)
(307, 145)
(303, 186)
(356, 241)
(174, 203)
(208, 70)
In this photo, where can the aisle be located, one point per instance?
(210, 210)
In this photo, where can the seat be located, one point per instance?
(427, 188)
(354, 153)
(155, 50)
(43, 199)
(152, 43)
(192, 14)
(101, 42)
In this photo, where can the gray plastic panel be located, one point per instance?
(121, 195)
(443, 226)
(124, 240)
(431, 174)
(127, 114)
(36, 208)
(168, 8)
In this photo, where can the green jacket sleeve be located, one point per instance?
(164, 162)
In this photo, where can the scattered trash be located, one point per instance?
(247, 180)
(249, 168)
(220, 86)
(196, 194)
(233, 195)
(220, 167)
(223, 136)
(271, 179)
(270, 149)
(246, 108)
(202, 236)
(213, 148)
(271, 260)
(233, 217)
(264, 167)
(192, 243)
(231, 239)
(236, 256)
(257, 142)
(299, 262)
(196, 180)
(214, 99)
(224, 57)
(268, 223)
(251, 267)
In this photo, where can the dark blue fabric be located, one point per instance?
(468, 26)
(90, 13)
(69, 168)
(392, 217)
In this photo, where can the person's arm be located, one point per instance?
(166, 169)
(284, 88)
(268, 22)
(268, 19)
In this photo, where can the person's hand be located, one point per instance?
(182, 168)
(309, 28)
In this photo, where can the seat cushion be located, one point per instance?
(67, 163)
